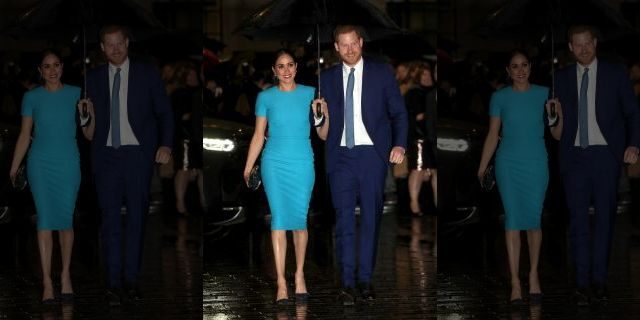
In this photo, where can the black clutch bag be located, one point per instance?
(21, 178)
(254, 178)
(488, 179)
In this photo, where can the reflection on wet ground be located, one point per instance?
(473, 277)
(170, 283)
(239, 274)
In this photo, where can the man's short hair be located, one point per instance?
(113, 28)
(573, 30)
(342, 29)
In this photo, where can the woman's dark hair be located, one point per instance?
(516, 52)
(281, 52)
(48, 52)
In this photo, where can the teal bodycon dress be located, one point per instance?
(287, 159)
(522, 172)
(53, 162)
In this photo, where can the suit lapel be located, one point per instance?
(575, 100)
(131, 89)
(340, 93)
(366, 79)
(600, 75)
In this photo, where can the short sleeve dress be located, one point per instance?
(287, 159)
(53, 162)
(522, 172)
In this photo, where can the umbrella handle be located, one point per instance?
(84, 109)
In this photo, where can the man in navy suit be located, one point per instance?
(598, 127)
(368, 130)
(132, 128)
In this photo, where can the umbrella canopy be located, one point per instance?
(403, 47)
(64, 19)
(526, 19)
(309, 20)
(78, 21)
(296, 20)
(548, 21)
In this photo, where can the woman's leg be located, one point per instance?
(300, 239)
(181, 181)
(66, 247)
(203, 199)
(279, 242)
(434, 186)
(45, 245)
(414, 184)
(512, 239)
(534, 239)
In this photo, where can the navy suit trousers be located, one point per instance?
(124, 177)
(591, 177)
(358, 177)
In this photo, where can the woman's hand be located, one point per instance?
(13, 173)
(481, 174)
(247, 173)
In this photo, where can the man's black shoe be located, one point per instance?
(347, 296)
(114, 296)
(133, 293)
(366, 292)
(600, 293)
(581, 297)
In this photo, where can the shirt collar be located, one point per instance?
(592, 66)
(359, 65)
(123, 67)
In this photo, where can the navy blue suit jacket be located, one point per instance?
(383, 111)
(149, 109)
(617, 110)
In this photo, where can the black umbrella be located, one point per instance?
(297, 20)
(79, 21)
(548, 20)
(404, 47)
(304, 20)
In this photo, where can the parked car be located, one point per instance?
(459, 148)
(225, 145)
(10, 199)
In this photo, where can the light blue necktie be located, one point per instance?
(115, 111)
(583, 115)
(348, 112)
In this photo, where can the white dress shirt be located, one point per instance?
(361, 137)
(595, 135)
(126, 133)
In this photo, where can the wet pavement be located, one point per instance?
(473, 276)
(170, 281)
(239, 274)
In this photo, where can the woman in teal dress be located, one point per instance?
(53, 166)
(521, 166)
(286, 166)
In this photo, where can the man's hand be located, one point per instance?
(163, 155)
(397, 155)
(82, 103)
(631, 155)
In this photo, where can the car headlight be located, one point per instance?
(214, 144)
(455, 145)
